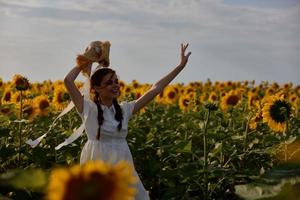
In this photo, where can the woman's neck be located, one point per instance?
(106, 101)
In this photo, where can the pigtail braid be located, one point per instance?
(100, 113)
(119, 114)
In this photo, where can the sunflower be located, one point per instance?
(29, 111)
(135, 84)
(160, 98)
(276, 111)
(256, 118)
(138, 93)
(16, 97)
(185, 102)
(94, 180)
(252, 99)
(213, 97)
(231, 99)
(171, 95)
(41, 103)
(6, 109)
(6, 95)
(20, 82)
(294, 99)
(61, 97)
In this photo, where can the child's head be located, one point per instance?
(105, 83)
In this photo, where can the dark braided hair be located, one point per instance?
(96, 80)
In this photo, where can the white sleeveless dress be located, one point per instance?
(112, 146)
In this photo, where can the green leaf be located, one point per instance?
(4, 132)
(184, 147)
(34, 179)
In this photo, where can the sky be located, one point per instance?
(229, 39)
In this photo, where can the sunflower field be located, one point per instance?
(201, 140)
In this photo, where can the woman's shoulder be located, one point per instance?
(127, 107)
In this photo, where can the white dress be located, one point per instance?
(112, 146)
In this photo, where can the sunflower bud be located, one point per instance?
(20, 82)
(211, 106)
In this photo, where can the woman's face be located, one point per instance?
(109, 88)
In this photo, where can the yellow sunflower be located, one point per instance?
(20, 82)
(29, 111)
(213, 97)
(61, 97)
(231, 99)
(294, 100)
(94, 180)
(253, 98)
(6, 95)
(160, 98)
(6, 109)
(42, 104)
(185, 102)
(134, 84)
(276, 111)
(171, 95)
(256, 118)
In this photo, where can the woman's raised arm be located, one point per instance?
(162, 83)
(72, 89)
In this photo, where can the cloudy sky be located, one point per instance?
(229, 39)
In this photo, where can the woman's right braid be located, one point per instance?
(100, 113)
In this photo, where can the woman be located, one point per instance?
(105, 119)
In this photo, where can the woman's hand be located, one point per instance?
(184, 58)
(84, 65)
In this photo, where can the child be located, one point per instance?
(106, 120)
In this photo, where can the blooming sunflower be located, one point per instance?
(134, 84)
(256, 118)
(41, 103)
(276, 111)
(213, 97)
(185, 102)
(6, 95)
(6, 109)
(294, 100)
(29, 111)
(94, 180)
(171, 95)
(253, 98)
(61, 97)
(231, 99)
(20, 82)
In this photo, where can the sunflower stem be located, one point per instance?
(20, 128)
(246, 133)
(286, 135)
(205, 156)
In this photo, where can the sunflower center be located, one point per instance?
(43, 104)
(171, 95)
(7, 96)
(280, 111)
(95, 186)
(5, 110)
(213, 97)
(185, 102)
(232, 100)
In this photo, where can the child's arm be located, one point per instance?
(72, 89)
(162, 83)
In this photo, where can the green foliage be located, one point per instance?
(167, 147)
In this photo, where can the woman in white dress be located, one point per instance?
(106, 120)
